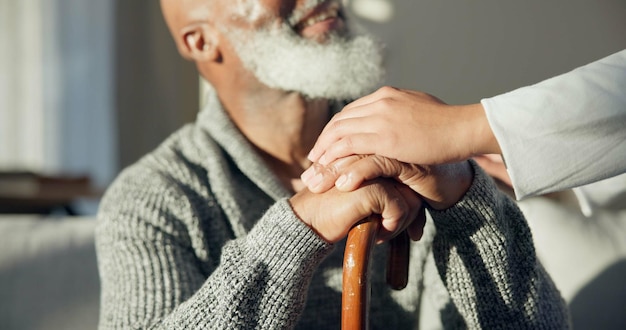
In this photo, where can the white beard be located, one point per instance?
(341, 68)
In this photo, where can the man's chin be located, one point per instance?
(341, 68)
(332, 92)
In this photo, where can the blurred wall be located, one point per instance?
(463, 51)
(156, 90)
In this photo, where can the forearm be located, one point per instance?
(484, 252)
(280, 255)
(473, 131)
(260, 281)
(565, 131)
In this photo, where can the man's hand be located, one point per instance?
(333, 213)
(494, 166)
(408, 126)
(441, 186)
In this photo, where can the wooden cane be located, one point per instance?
(355, 298)
(398, 261)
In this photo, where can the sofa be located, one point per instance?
(48, 273)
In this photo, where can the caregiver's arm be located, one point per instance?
(563, 132)
(566, 131)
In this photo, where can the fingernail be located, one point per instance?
(307, 175)
(315, 181)
(314, 154)
(341, 181)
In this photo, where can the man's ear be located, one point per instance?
(199, 42)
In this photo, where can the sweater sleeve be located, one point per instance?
(155, 272)
(484, 253)
(566, 131)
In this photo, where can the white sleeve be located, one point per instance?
(566, 131)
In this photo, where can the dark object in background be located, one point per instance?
(32, 193)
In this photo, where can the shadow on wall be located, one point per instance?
(610, 285)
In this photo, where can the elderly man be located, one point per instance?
(214, 229)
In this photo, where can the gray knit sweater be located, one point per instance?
(199, 235)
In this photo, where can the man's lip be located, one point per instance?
(302, 22)
(320, 29)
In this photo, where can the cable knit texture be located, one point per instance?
(199, 235)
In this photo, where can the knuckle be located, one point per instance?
(386, 102)
(387, 89)
(337, 125)
(332, 170)
(385, 164)
(347, 143)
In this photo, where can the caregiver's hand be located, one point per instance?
(408, 126)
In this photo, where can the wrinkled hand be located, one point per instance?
(441, 186)
(494, 166)
(333, 213)
(409, 126)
